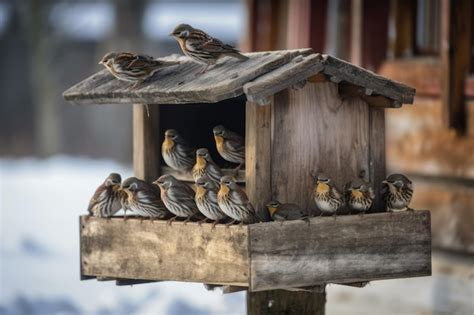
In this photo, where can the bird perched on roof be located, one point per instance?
(178, 197)
(133, 67)
(205, 166)
(176, 151)
(397, 192)
(143, 199)
(107, 198)
(230, 145)
(359, 195)
(234, 202)
(206, 199)
(285, 211)
(202, 47)
(327, 197)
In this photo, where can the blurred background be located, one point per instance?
(53, 155)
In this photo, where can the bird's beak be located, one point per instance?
(384, 182)
(101, 62)
(170, 35)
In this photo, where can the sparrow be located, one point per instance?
(230, 145)
(327, 197)
(177, 197)
(107, 199)
(132, 67)
(206, 166)
(202, 47)
(359, 196)
(143, 199)
(397, 192)
(176, 152)
(206, 199)
(234, 202)
(286, 211)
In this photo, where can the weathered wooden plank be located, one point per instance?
(291, 73)
(332, 137)
(146, 250)
(258, 156)
(340, 70)
(347, 249)
(181, 83)
(146, 141)
(455, 59)
(377, 153)
(187, 177)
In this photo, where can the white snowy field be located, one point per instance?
(40, 201)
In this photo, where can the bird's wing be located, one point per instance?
(336, 194)
(95, 198)
(202, 41)
(182, 192)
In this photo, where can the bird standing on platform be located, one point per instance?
(230, 145)
(206, 166)
(327, 197)
(206, 199)
(286, 211)
(397, 192)
(143, 199)
(176, 152)
(178, 197)
(132, 67)
(234, 202)
(107, 199)
(202, 47)
(359, 196)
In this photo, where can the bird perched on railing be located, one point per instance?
(143, 199)
(202, 47)
(206, 199)
(178, 198)
(286, 211)
(176, 151)
(234, 202)
(359, 196)
(107, 198)
(206, 166)
(230, 145)
(327, 197)
(132, 67)
(397, 192)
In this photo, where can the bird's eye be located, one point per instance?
(184, 33)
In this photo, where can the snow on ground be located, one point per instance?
(40, 201)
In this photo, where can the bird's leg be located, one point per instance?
(281, 222)
(410, 209)
(335, 215)
(214, 224)
(306, 219)
(147, 110)
(172, 219)
(141, 219)
(203, 69)
(237, 169)
(124, 214)
(202, 221)
(230, 223)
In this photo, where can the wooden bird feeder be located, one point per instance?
(301, 113)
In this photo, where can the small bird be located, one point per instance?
(206, 166)
(132, 67)
(178, 197)
(234, 202)
(359, 196)
(143, 199)
(107, 199)
(397, 192)
(230, 145)
(327, 197)
(202, 47)
(206, 199)
(176, 152)
(286, 211)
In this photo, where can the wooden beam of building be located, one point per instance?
(402, 28)
(455, 59)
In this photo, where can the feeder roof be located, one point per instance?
(259, 77)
